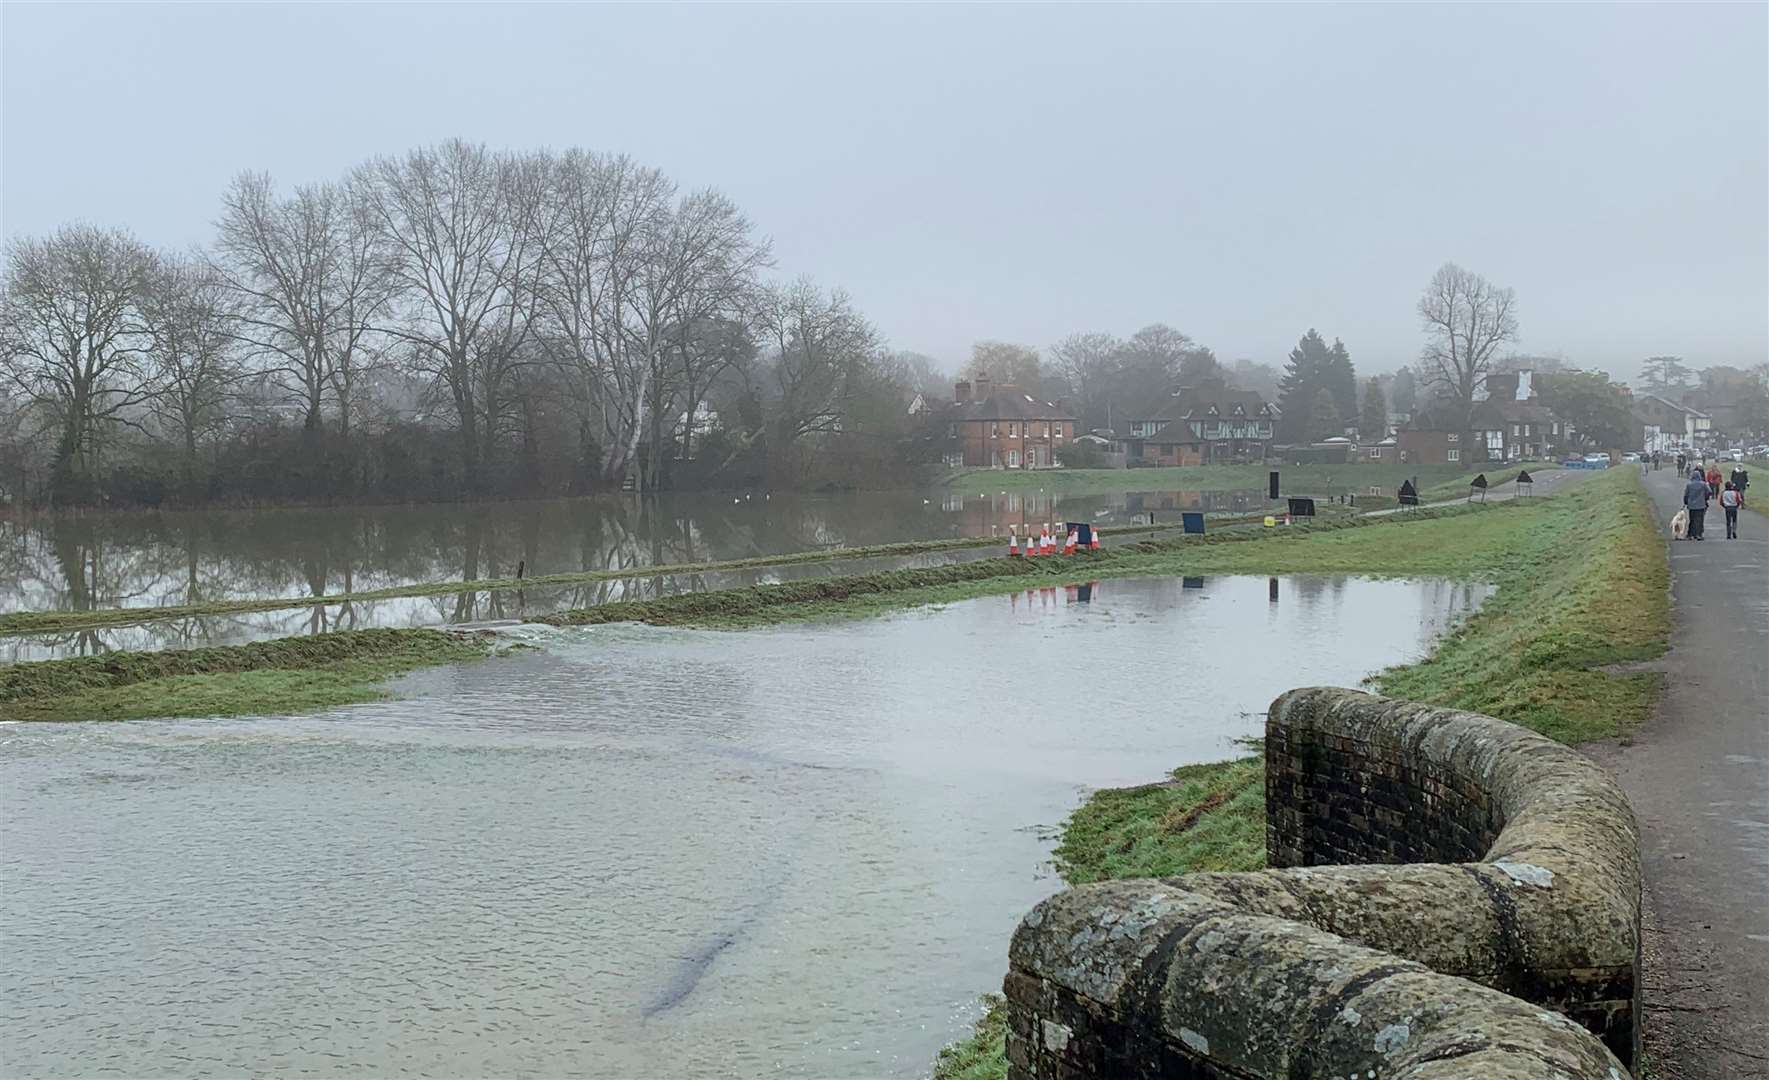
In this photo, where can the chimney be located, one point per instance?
(961, 391)
(982, 387)
(1524, 390)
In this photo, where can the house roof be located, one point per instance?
(1669, 404)
(1205, 403)
(1008, 403)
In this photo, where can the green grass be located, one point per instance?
(1583, 582)
(1300, 479)
(982, 1056)
(1228, 548)
(1457, 487)
(282, 676)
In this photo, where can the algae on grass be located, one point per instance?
(281, 676)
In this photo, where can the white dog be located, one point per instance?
(1680, 524)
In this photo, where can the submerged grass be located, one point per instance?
(1583, 582)
(282, 676)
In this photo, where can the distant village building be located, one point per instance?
(1005, 428)
(1205, 426)
(1668, 424)
(1509, 424)
(1386, 452)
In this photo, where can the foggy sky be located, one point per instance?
(1009, 172)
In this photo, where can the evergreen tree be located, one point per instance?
(1323, 417)
(1372, 422)
(1341, 378)
(1405, 391)
(1304, 374)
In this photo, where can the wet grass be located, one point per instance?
(271, 677)
(1300, 479)
(1228, 548)
(982, 1056)
(1583, 583)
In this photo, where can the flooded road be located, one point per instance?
(797, 851)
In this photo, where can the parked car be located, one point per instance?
(1630, 456)
(1735, 454)
(1593, 459)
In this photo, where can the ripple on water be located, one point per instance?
(638, 852)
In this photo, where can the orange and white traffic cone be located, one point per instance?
(1093, 540)
(1047, 542)
(1069, 544)
(1013, 545)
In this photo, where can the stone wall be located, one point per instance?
(1450, 896)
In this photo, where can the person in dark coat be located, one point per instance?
(1695, 500)
(1740, 479)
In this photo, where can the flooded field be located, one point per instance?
(95, 561)
(639, 852)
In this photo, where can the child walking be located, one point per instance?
(1730, 500)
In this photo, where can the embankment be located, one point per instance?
(286, 675)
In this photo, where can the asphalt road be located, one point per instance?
(1698, 776)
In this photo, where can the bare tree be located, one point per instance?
(310, 281)
(820, 347)
(185, 314)
(464, 228)
(71, 336)
(1467, 321)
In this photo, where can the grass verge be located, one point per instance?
(1583, 583)
(282, 676)
(1302, 479)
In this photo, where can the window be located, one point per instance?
(1044, 430)
(1013, 458)
(1455, 436)
(1375, 453)
(1455, 455)
(994, 430)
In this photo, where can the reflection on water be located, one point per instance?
(100, 561)
(639, 852)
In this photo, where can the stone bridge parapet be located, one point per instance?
(1450, 896)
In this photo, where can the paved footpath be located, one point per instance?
(1698, 776)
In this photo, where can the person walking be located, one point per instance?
(1695, 500)
(1729, 502)
(1740, 480)
(1682, 463)
(1714, 479)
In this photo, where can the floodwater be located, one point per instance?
(638, 852)
(96, 562)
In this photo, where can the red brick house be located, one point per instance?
(1005, 428)
(1206, 425)
(1510, 424)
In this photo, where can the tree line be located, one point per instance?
(453, 321)
(459, 322)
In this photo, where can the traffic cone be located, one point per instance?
(1093, 540)
(1069, 544)
(1013, 545)
(1047, 542)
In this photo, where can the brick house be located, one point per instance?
(1432, 438)
(1509, 424)
(1005, 428)
(1206, 425)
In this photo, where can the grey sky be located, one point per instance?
(1011, 172)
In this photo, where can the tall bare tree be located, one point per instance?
(310, 280)
(1468, 321)
(464, 230)
(193, 353)
(821, 348)
(72, 340)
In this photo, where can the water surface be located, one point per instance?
(796, 851)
